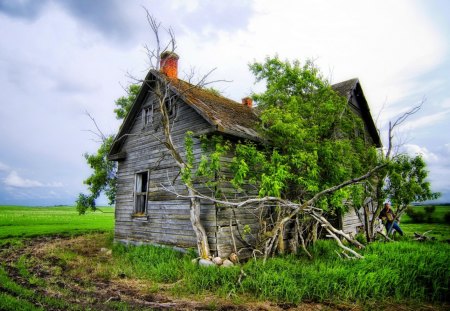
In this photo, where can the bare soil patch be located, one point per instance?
(74, 270)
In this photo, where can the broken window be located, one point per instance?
(147, 115)
(140, 194)
(171, 107)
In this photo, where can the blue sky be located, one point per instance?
(59, 59)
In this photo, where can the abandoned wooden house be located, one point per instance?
(145, 211)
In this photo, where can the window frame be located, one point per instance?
(138, 209)
(147, 115)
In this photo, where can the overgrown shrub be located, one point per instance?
(447, 218)
(416, 216)
(429, 210)
(361, 238)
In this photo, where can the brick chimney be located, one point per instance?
(169, 64)
(247, 101)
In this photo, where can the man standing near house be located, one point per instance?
(388, 217)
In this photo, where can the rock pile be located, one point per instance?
(232, 260)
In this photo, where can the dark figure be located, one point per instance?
(388, 217)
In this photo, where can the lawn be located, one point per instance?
(21, 221)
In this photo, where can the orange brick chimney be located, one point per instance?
(247, 101)
(169, 64)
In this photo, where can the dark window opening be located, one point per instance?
(140, 198)
(147, 115)
(171, 107)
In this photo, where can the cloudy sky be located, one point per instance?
(61, 58)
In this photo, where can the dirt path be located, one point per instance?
(61, 272)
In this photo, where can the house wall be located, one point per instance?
(236, 226)
(168, 219)
(353, 221)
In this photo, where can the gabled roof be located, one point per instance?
(225, 115)
(345, 88)
(352, 90)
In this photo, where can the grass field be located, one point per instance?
(437, 216)
(24, 222)
(411, 274)
(437, 228)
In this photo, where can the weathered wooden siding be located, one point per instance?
(353, 221)
(232, 221)
(167, 220)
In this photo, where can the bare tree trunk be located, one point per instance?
(367, 223)
(200, 233)
(163, 96)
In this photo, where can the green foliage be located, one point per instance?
(426, 214)
(447, 218)
(407, 182)
(124, 103)
(210, 166)
(315, 140)
(415, 215)
(103, 178)
(392, 271)
(419, 216)
(187, 170)
(85, 202)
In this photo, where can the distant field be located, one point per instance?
(437, 228)
(20, 221)
(438, 214)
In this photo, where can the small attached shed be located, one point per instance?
(148, 209)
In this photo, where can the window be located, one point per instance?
(171, 107)
(147, 115)
(150, 117)
(140, 194)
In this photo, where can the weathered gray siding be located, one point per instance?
(232, 221)
(167, 220)
(353, 221)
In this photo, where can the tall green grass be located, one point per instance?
(393, 271)
(19, 221)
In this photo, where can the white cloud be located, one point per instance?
(427, 155)
(15, 180)
(387, 44)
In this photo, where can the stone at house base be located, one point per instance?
(205, 262)
(227, 263)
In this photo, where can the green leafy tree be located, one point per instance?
(124, 103)
(316, 152)
(315, 140)
(103, 177)
(407, 182)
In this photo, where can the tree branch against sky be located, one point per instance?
(76, 59)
